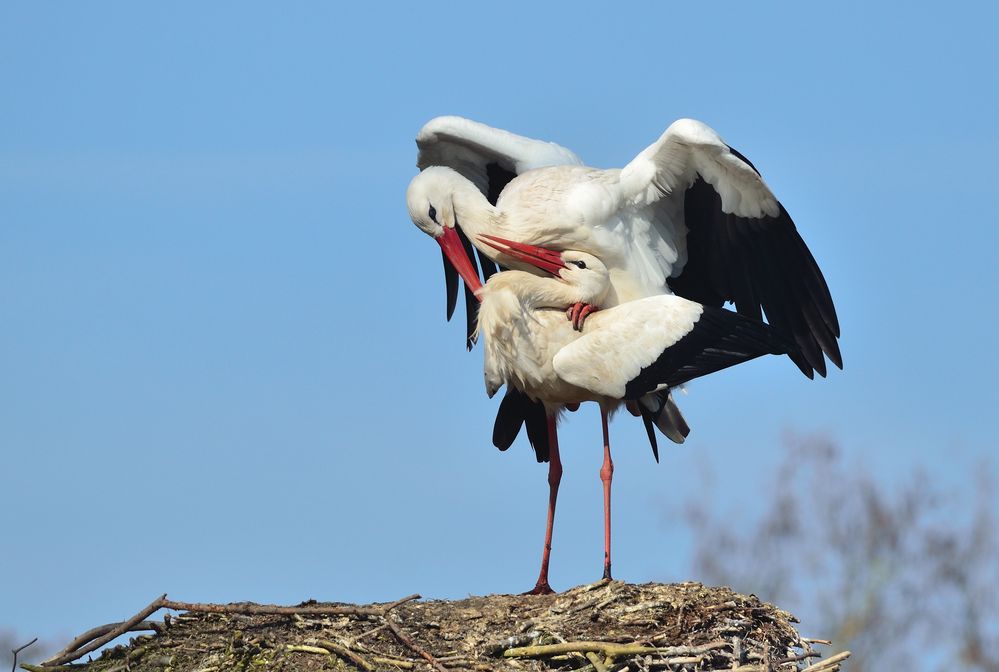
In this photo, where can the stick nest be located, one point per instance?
(608, 626)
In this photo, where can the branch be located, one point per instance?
(119, 630)
(18, 650)
(609, 649)
(830, 662)
(405, 639)
(271, 609)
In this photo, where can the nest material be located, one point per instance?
(608, 626)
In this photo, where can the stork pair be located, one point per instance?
(657, 246)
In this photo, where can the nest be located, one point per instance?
(603, 627)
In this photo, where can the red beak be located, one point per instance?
(455, 253)
(539, 257)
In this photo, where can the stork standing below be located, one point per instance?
(622, 353)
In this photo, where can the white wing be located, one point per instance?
(472, 148)
(661, 341)
(690, 148)
(619, 342)
(739, 244)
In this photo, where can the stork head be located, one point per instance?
(431, 207)
(430, 200)
(586, 274)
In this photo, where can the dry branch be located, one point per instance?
(408, 641)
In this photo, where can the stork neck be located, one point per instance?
(474, 213)
(535, 292)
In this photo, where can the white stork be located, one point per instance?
(688, 216)
(623, 353)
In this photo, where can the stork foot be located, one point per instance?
(577, 313)
(541, 589)
(607, 573)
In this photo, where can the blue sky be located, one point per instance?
(224, 368)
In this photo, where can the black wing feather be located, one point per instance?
(762, 266)
(719, 339)
(515, 410)
(471, 301)
(451, 285)
(498, 177)
(649, 429)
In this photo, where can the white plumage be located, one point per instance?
(688, 215)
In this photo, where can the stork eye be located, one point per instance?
(580, 264)
(432, 213)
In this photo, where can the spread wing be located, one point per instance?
(741, 245)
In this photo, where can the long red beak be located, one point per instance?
(539, 257)
(455, 253)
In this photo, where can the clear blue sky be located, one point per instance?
(224, 369)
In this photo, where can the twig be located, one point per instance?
(607, 648)
(121, 629)
(344, 652)
(18, 650)
(798, 658)
(272, 609)
(611, 649)
(595, 661)
(306, 648)
(93, 633)
(368, 633)
(382, 660)
(407, 640)
(831, 661)
(392, 605)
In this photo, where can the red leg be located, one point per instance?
(606, 474)
(587, 309)
(554, 478)
(577, 312)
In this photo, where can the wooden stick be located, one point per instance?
(93, 633)
(392, 605)
(344, 652)
(382, 660)
(405, 639)
(121, 629)
(306, 648)
(14, 652)
(272, 609)
(831, 661)
(609, 649)
(595, 661)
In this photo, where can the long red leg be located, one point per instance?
(554, 478)
(606, 474)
